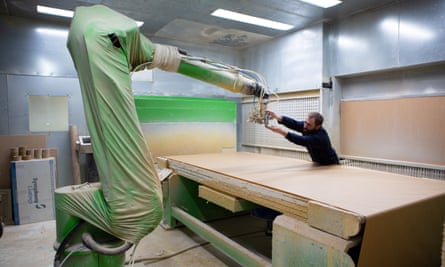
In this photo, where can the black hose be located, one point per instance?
(64, 243)
(1, 227)
(259, 91)
(89, 241)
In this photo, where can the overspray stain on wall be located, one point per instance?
(182, 125)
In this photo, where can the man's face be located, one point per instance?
(309, 125)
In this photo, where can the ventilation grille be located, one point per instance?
(277, 151)
(257, 135)
(420, 172)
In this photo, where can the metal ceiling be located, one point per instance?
(190, 20)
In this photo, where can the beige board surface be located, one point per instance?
(404, 129)
(404, 215)
(364, 192)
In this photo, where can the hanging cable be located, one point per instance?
(89, 241)
(64, 243)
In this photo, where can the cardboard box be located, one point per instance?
(6, 206)
(33, 184)
(9, 141)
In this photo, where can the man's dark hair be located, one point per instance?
(318, 118)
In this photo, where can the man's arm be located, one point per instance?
(292, 137)
(278, 129)
(298, 139)
(292, 124)
(286, 121)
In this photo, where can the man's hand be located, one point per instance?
(277, 129)
(273, 115)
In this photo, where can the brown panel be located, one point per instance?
(407, 236)
(407, 129)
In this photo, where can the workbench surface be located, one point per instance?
(403, 214)
(362, 191)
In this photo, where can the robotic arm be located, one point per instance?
(231, 78)
(224, 76)
(106, 47)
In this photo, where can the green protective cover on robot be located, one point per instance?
(128, 202)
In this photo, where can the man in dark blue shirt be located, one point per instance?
(314, 137)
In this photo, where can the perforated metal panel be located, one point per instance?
(421, 172)
(257, 135)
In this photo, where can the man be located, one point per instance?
(314, 137)
(316, 140)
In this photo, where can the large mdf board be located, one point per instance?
(405, 129)
(403, 215)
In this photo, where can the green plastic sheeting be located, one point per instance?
(128, 203)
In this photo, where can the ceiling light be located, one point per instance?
(55, 11)
(64, 13)
(323, 3)
(222, 13)
(54, 32)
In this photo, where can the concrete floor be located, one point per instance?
(32, 245)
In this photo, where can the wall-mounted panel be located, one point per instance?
(21, 87)
(404, 129)
(48, 113)
(384, 114)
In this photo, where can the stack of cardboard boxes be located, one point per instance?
(28, 175)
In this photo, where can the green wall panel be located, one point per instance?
(184, 109)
